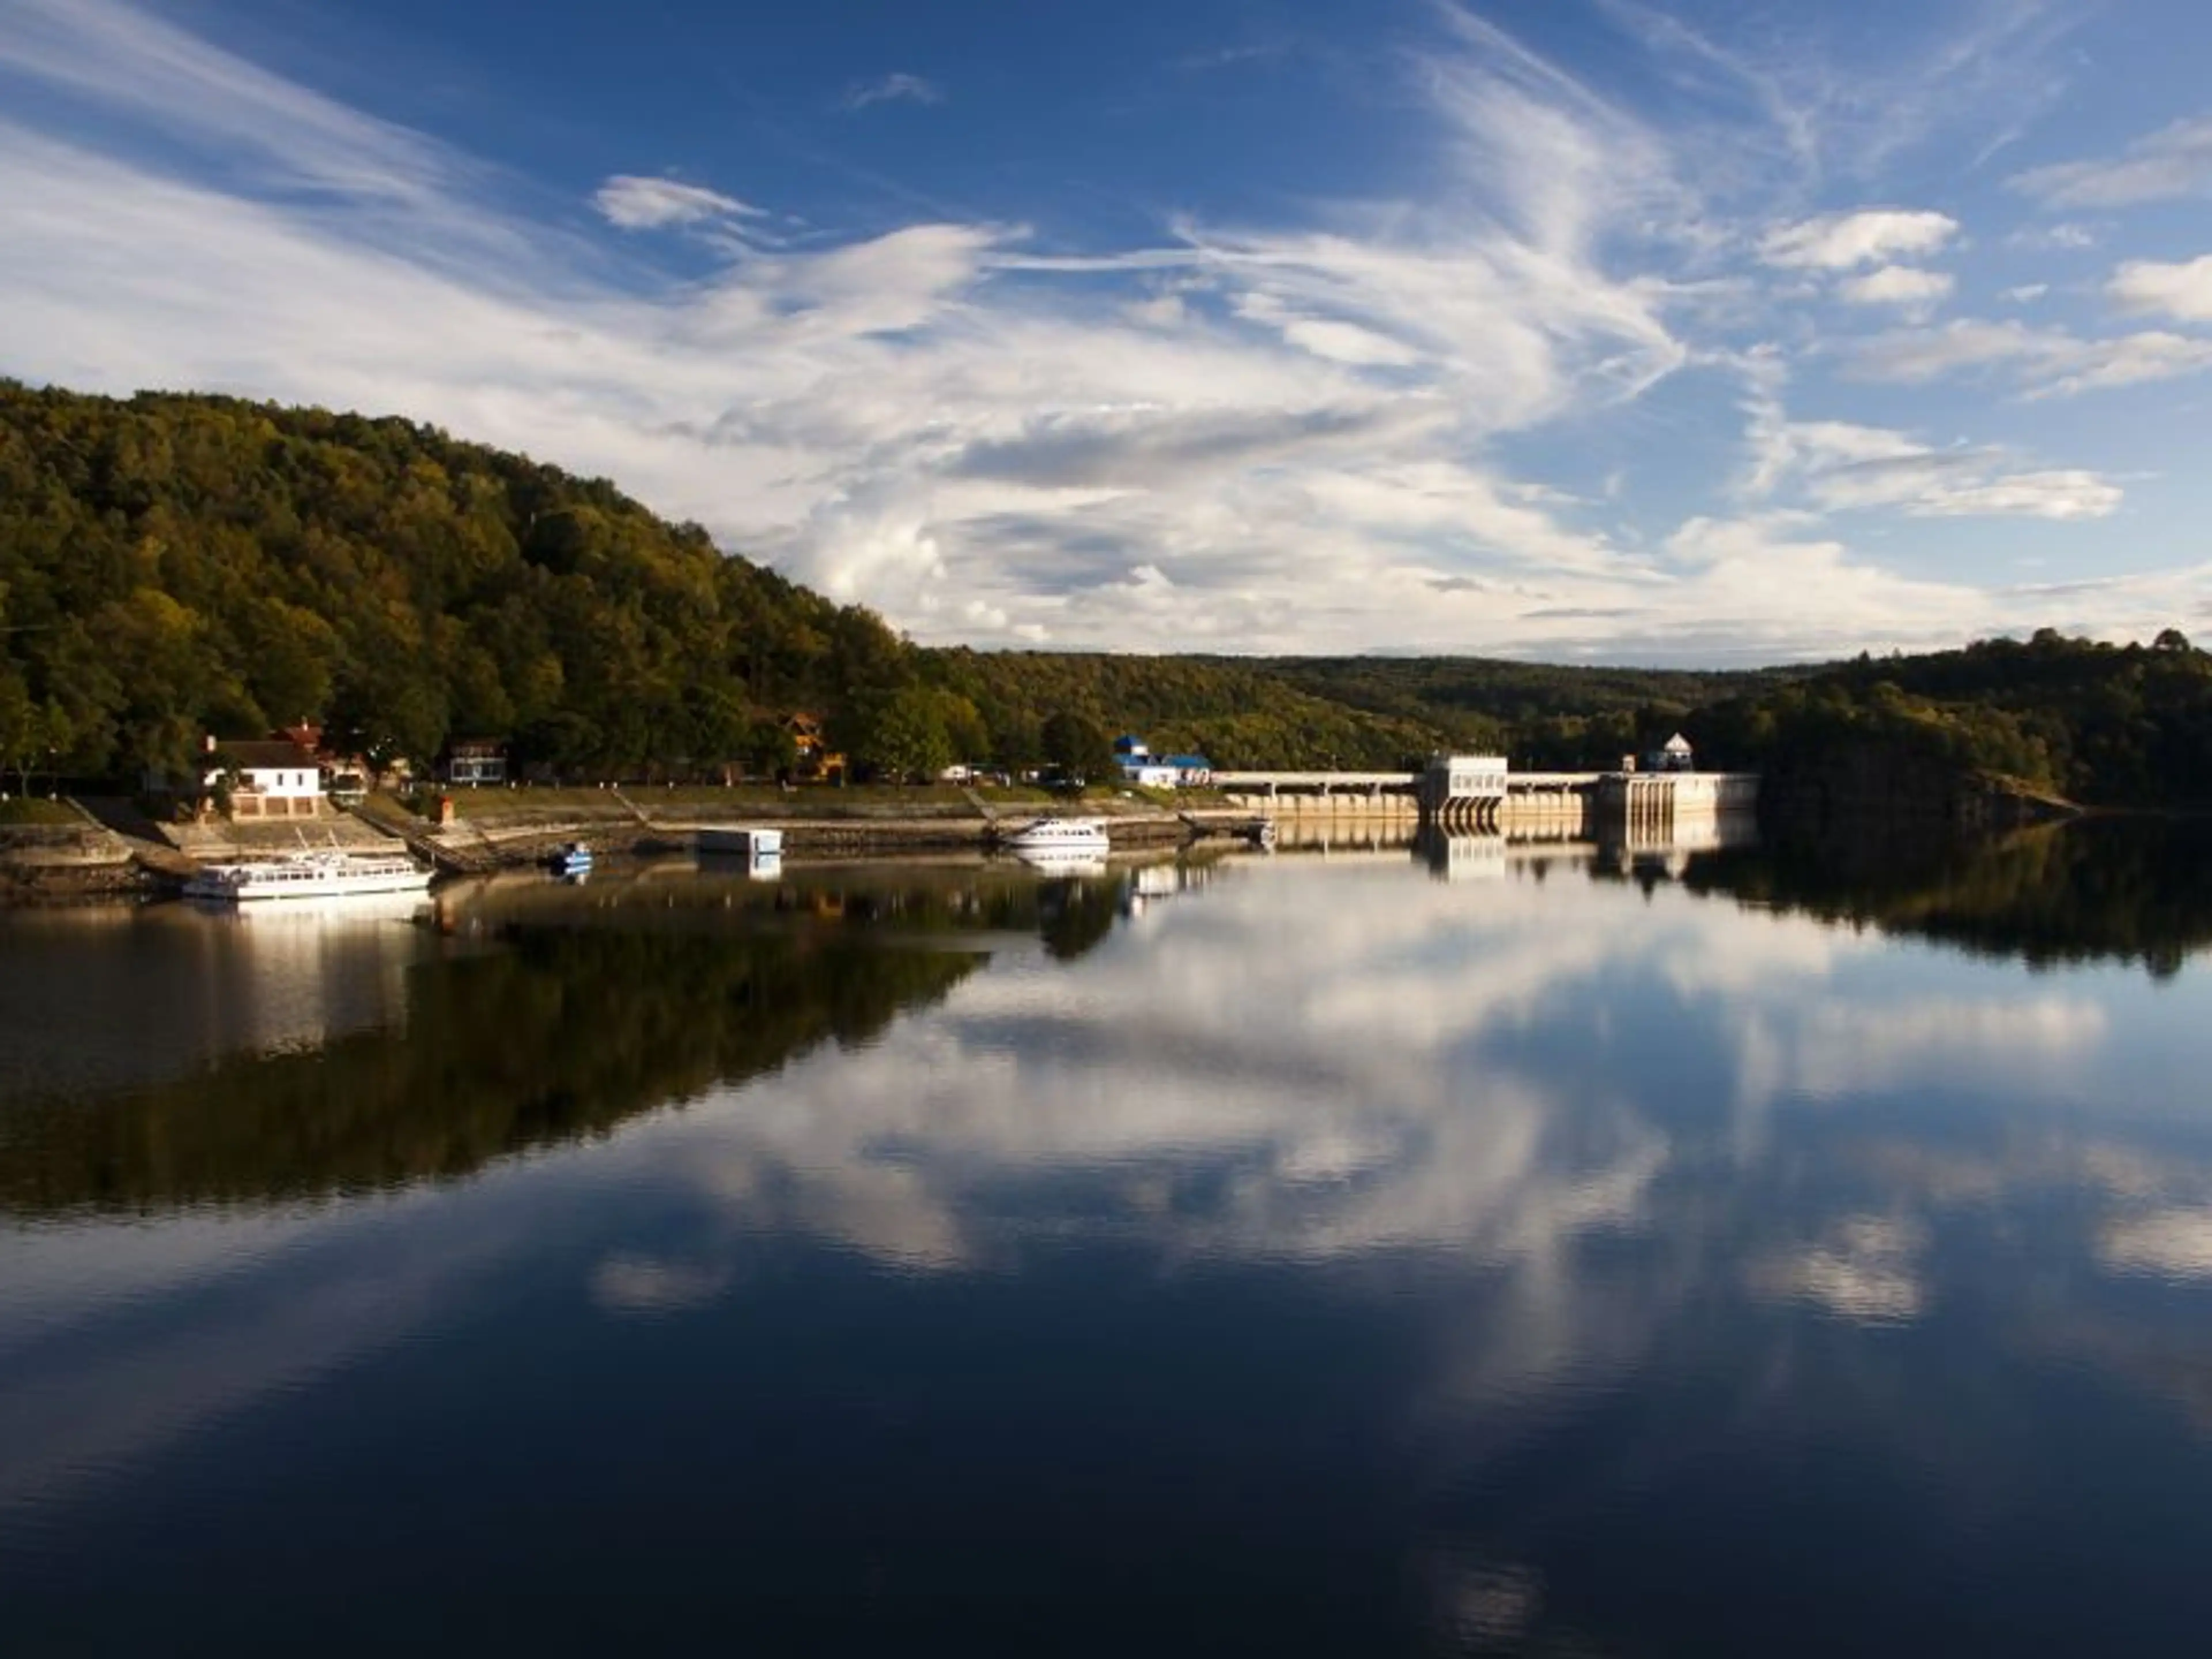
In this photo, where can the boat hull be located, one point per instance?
(1059, 838)
(262, 884)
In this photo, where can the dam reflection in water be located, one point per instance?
(1622, 1250)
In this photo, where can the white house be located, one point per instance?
(1146, 770)
(276, 778)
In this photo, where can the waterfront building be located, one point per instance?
(270, 778)
(815, 761)
(1140, 766)
(473, 761)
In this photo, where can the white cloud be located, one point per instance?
(2026, 293)
(1845, 241)
(2168, 165)
(1896, 285)
(1339, 340)
(639, 203)
(1302, 430)
(210, 107)
(2180, 291)
(2060, 237)
(2042, 362)
(898, 88)
(1837, 466)
(2071, 492)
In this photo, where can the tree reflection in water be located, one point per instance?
(587, 1014)
(584, 1016)
(2134, 889)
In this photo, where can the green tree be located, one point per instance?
(1078, 746)
(21, 729)
(907, 739)
(770, 749)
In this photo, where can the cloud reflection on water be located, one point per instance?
(1567, 1118)
(1317, 1069)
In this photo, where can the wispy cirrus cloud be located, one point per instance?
(630, 201)
(2040, 363)
(1810, 88)
(2169, 165)
(1839, 466)
(1844, 241)
(896, 88)
(2062, 238)
(1270, 431)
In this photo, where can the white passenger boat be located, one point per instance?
(332, 874)
(1059, 838)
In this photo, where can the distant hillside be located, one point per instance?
(1542, 714)
(1353, 712)
(2104, 725)
(1236, 713)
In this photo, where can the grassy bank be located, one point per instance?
(742, 800)
(35, 810)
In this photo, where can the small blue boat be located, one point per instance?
(571, 858)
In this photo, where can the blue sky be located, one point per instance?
(1701, 332)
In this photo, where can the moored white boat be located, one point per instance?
(1059, 838)
(331, 874)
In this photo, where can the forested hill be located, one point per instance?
(2125, 726)
(1544, 715)
(174, 564)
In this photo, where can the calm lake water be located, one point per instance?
(1488, 1249)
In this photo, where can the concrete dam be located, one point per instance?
(1481, 794)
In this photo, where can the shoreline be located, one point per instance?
(90, 863)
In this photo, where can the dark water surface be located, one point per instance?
(1720, 1253)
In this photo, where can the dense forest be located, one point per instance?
(2106, 725)
(175, 564)
(171, 565)
(1542, 715)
